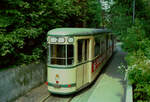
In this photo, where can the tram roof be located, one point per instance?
(76, 31)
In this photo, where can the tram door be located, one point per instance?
(83, 56)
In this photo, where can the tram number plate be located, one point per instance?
(57, 86)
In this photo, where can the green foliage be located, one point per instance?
(24, 24)
(137, 44)
(119, 19)
(95, 12)
(136, 41)
(122, 12)
(135, 37)
(138, 75)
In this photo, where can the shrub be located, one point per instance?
(138, 75)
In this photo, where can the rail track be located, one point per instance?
(45, 98)
(55, 98)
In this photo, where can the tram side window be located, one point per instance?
(86, 52)
(97, 47)
(102, 47)
(83, 50)
(80, 44)
(70, 54)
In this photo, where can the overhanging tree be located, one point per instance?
(24, 24)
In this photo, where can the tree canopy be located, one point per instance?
(24, 24)
(136, 41)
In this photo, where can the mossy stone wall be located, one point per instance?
(14, 82)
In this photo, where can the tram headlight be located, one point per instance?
(53, 39)
(70, 40)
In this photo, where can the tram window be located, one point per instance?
(58, 51)
(102, 47)
(97, 47)
(70, 54)
(83, 50)
(80, 43)
(86, 54)
(58, 54)
(58, 61)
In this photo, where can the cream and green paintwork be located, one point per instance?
(77, 75)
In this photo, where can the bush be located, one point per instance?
(135, 37)
(139, 75)
(137, 44)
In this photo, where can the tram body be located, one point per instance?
(75, 57)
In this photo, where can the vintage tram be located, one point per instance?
(75, 57)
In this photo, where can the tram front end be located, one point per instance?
(61, 78)
(61, 81)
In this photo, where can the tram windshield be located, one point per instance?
(61, 54)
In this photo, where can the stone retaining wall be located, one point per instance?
(14, 82)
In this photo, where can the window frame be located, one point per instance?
(66, 55)
(84, 48)
(98, 39)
